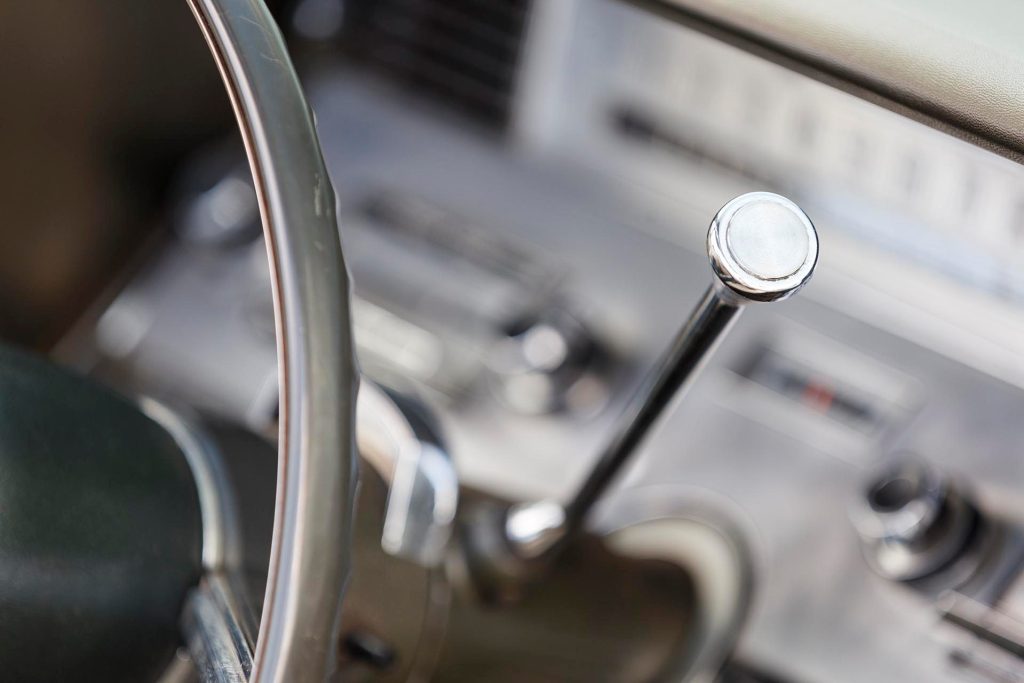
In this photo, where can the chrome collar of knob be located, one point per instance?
(762, 247)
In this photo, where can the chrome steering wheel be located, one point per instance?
(310, 555)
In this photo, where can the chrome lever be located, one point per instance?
(762, 248)
(396, 437)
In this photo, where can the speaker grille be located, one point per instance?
(462, 53)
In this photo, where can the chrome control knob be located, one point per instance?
(762, 248)
(912, 521)
(902, 504)
(546, 363)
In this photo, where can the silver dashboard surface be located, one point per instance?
(887, 354)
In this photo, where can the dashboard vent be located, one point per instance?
(463, 53)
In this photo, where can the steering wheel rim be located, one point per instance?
(318, 379)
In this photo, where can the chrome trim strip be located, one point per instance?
(950, 66)
(217, 646)
(309, 562)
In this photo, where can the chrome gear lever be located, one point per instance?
(762, 248)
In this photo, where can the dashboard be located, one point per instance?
(524, 237)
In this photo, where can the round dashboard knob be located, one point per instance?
(913, 521)
(545, 363)
(762, 247)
